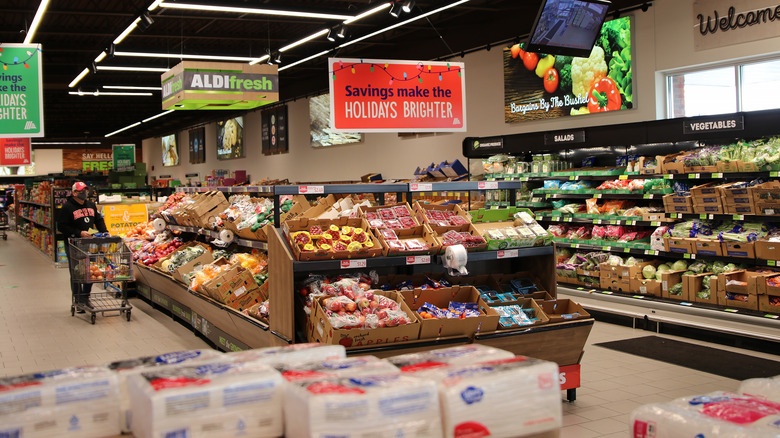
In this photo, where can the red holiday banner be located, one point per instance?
(15, 151)
(396, 96)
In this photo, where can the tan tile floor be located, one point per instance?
(38, 333)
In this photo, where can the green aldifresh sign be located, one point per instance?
(124, 156)
(21, 90)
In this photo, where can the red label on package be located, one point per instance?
(350, 264)
(569, 376)
(311, 190)
(644, 429)
(420, 187)
(471, 429)
(488, 185)
(507, 254)
(396, 96)
(418, 260)
(298, 375)
(422, 366)
(178, 382)
(332, 388)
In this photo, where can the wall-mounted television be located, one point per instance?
(567, 27)
(170, 150)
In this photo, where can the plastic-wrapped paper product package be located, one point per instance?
(460, 355)
(507, 398)
(768, 389)
(73, 402)
(386, 406)
(291, 354)
(718, 414)
(212, 399)
(125, 368)
(347, 367)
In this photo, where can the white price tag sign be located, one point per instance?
(418, 187)
(487, 185)
(351, 264)
(418, 260)
(507, 254)
(311, 190)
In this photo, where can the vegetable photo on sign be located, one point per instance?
(542, 86)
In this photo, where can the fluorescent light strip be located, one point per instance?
(304, 40)
(184, 56)
(214, 8)
(324, 52)
(66, 142)
(154, 5)
(123, 68)
(101, 57)
(158, 115)
(411, 20)
(78, 78)
(130, 87)
(36, 21)
(260, 59)
(127, 31)
(381, 7)
(123, 129)
(107, 93)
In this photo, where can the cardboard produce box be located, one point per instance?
(507, 323)
(205, 208)
(669, 279)
(389, 212)
(622, 271)
(695, 284)
(420, 210)
(668, 165)
(714, 208)
(417, 235)
(728, 166)
(321, 330)
(769, 296)
(616, 284)
(740, 249)
(678, 204)
(678, 244)
(523, 282)
(182, 274)
(766, 250)
(731, 208)
(304, 224)
(434, 328)
(158, 265)
(563, 310)
(644, 286)
(707, 247)
(231, 285)
(767, 208)
(709, 193)
(767, 192)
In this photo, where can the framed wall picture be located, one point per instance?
(274, 128)
(230, 138)
(170, 150)
(197, 145)
(319, 120)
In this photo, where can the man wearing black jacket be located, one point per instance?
(76, 217)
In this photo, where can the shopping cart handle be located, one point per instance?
(101, 235)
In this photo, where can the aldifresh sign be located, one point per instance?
(396, 96)
(719, 23)
(195, 85)
(21, 91)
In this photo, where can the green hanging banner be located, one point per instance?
(21, 91)
(124, 157)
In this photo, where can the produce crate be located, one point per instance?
(435, 328)
(740, 249)
(678, 204)
(616, 284)
(707, 247)
(767, 192)
(644, 286)
(706, 193)
(670, 279)
(668, 164)
(563, 310)
(420, 209)
(696, 287)
(767, 250)
(769, 296)
(729, 167)
(678, 244)
(769, 208)
(526, 303)
(716, 208)
(420, 233)
(304, 224)
(700, 169)
(746, 208)
(608, 271)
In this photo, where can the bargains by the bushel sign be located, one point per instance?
(14, 151)
(21, 91)
(397, 96)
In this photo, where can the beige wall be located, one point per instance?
(663, 41)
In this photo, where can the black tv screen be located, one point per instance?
(567, 27)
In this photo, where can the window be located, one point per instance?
(742, 87)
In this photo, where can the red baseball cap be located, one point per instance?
(79, 186)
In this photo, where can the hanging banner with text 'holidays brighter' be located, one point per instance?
(396, 96)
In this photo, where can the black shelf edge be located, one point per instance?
(21, 201)
(215, 234)
(324, 189)
(668, 254)
(650, 196)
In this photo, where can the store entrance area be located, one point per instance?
(38, 333)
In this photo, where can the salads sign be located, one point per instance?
(719, 23)
(539, 86)
(396, 96)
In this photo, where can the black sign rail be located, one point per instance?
(701, 125)
(192, 175)
(571, 137)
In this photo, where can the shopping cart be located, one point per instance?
(100, 260)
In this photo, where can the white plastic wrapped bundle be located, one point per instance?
(73, 402)
(291, 354)
(508, 398)
(213, 399)
(361, 407)
(347, 367)
(460, 355)
(130, 367)
(768, 389)
(718, 414)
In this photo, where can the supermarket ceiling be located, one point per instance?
(74, 32)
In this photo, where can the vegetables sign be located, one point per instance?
(540, 86)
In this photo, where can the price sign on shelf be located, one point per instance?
(507, 254)
(487, 185)
(311, 190)
(418, 260)
(623, 177)
(352, 264)
(418, 187)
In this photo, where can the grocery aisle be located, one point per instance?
(37, 333)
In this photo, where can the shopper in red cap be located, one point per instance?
(77, 216)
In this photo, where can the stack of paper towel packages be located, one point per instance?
(767, 389)
(460, 355)
(291, 354)
(125, 368)
(74, 402)
(220, 397)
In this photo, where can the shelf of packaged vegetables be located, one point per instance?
(48, 227)
(741, 322)
(607, 246)
(34, 203)
(237, 189)
(724, 216)
(526, 177)
(215, 235)
(604, 221)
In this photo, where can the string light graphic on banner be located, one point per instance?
(419, 76)
(30, 55)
